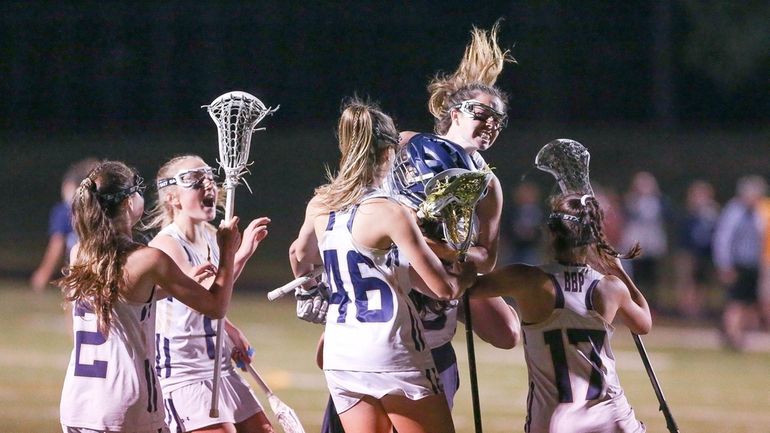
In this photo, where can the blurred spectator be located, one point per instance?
(764, 271)
(61, 236)
(694, 267)
(612, 206)
(523, 224)
(646, 211)
(737, 253)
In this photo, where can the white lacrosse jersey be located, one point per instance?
(186, 339)
(573, 385)
(371, 325)
(110, 382)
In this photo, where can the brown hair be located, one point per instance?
(96, 275)
(576, 221)
(365, 133)
(479, 68)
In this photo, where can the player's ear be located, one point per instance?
(172, 198)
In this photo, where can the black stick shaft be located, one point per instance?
(472, 363)
(670, 422)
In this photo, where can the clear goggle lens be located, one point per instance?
(477, 110)
(193, 178)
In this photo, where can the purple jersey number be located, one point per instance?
(361, 287)
(596, 338)
(98, 368)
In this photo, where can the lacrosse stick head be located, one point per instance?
(286, 416)
(236, 115)
(450, 199)
(567, 161)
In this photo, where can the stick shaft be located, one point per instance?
(214, 410)
(257, 378)
(472, 363)
(293, 284)
(670, 422)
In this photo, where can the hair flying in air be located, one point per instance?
(479, 68)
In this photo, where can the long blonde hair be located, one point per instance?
(479, 68)
(96, 276)
(365, 134)
(161, 213)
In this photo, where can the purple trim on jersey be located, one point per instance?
(352, 217)
(419, 343)
(166, 356)
(152, 401)
(589, 295)
(438, 323)
(189, 255)
(559, 301)
(209, 328)
(444, 356)
(171, 410)
(330, 224)
(433, 379)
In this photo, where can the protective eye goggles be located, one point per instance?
(477, 110)
(193, 178)
(115, 198)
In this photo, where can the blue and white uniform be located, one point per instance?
(185, 344)
(110, 383)
(373, 343)
(424, 156)
(573, 384)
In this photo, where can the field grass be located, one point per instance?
(709, 390)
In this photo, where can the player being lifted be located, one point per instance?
(112, 283)
(187, 202)
(469, 112)
(378, 368)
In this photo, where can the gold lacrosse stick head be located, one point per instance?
(451, 198)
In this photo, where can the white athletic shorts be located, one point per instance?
(66, 429)
(348, 387)
(187, 408)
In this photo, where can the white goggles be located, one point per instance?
(478, 110)
(192, 178)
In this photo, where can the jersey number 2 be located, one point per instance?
(98, 368)
(362, 287)
(554, 340)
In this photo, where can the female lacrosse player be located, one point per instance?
(112, 282)
(567, 308)
(187, 198)
(469, 114)
(379, 371)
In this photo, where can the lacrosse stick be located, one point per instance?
(451, 198)
(286, 416)
(567, 160)
(293, 284)
(236, 115)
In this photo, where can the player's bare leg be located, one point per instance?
(257, 423)
(426, 415)
(366, 416)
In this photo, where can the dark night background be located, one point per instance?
(678, 88)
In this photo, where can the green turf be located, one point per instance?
(708, 389)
